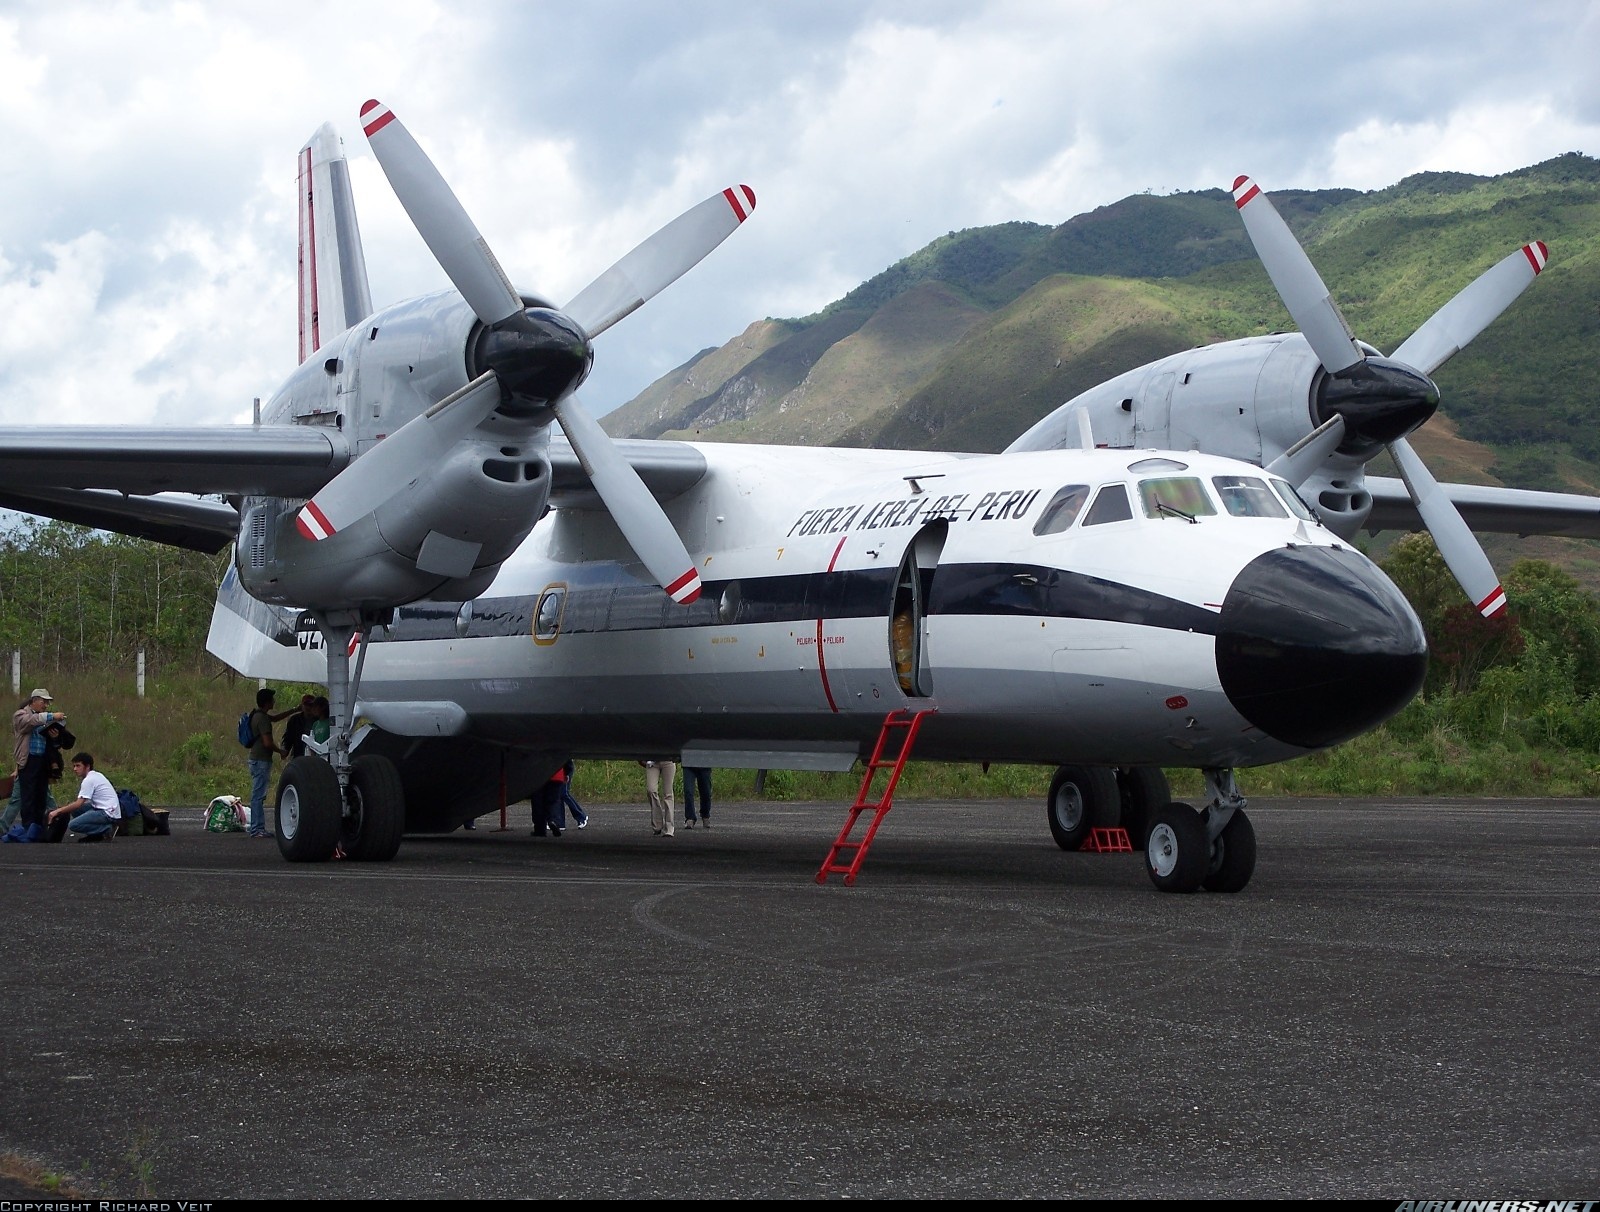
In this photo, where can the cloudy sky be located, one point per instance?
(147, 228)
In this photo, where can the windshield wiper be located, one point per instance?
(1163, 507)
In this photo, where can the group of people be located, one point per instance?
(552, 801)
(40, 736)
(310, 721)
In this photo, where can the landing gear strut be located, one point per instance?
(327, 803)
(1213, 848)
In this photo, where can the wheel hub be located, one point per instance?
(1069, 807)
(289, 813)
(1162, 850)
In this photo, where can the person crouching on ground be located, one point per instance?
(97, 809)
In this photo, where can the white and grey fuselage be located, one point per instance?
(1101, 607)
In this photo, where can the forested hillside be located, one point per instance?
(968, 341)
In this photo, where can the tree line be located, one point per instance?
(74, 599)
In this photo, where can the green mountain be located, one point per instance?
(967, 342)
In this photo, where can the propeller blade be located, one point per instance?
(1303, 458)
(1456, 543)
(661, 260)
(1296, 279)
(398, 461)
(638, 514)
(1448, 330)
(439, 217)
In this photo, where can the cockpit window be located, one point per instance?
(1111, 505)
(1293, 500)
(1062, 510)
(1182, 497)
(1247, 497)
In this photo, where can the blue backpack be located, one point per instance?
(247, 734)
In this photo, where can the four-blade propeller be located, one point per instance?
(537, 353)
(1387, 398)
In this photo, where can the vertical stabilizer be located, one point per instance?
(333, 270)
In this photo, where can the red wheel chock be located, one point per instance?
(1108, 841)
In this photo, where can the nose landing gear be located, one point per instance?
(1212, 848)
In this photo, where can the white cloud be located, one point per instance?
(147, 222)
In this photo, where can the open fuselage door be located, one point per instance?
(908, 623)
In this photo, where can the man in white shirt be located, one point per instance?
(97, 799)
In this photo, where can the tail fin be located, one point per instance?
(333, 270)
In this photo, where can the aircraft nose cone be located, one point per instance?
(1315, 645)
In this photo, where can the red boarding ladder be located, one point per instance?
(895, 722)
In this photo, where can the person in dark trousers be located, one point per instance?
(697, 778)
(570, 801)
(299, 727)
(32, 753)
(547, 814)
(93, 816)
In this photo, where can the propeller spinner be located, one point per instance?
(530, 358)
(1381, 400)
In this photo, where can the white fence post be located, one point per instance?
(141, 673)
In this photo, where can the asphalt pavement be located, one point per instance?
(1402, 1005)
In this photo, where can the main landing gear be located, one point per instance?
(328, 803)
(1185, 849)
(1083, 798)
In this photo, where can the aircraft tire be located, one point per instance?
(1143, 789)
(307, 811)
(371, 830)
(1177, 853)
(1233, 855)
(1081, 798)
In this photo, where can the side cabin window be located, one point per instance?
(547, 618)
(1181, 497)
(1247, 497)
(1063, 510)
(1110, 505)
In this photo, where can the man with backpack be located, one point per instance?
(262, 747)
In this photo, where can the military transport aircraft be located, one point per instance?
(1316, 405)
(484, 599)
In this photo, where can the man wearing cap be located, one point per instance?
(27, 725)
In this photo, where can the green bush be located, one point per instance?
(778, 785)
(194, 754)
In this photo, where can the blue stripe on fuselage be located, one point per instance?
(616, 603)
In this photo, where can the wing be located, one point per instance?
(186, 522)
(253, 460)
(107, 476)
(1518, 511)
(668, 469)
